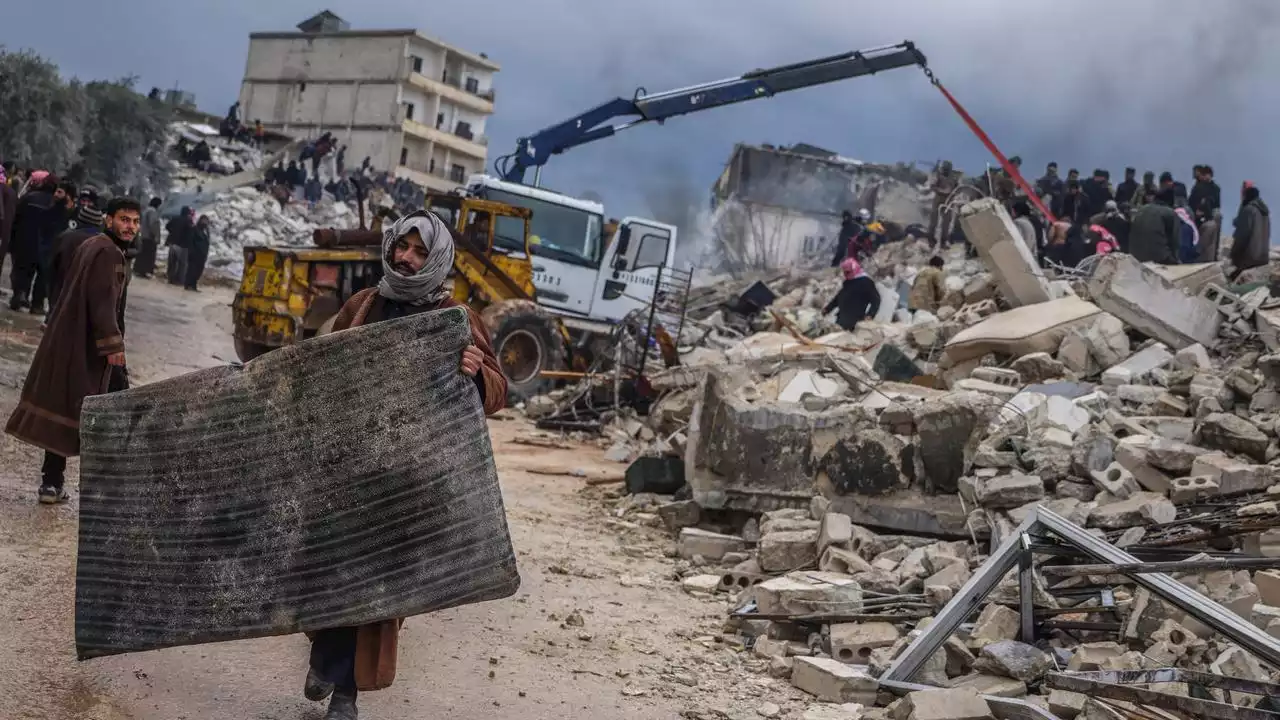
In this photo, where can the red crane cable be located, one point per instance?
(986, 140)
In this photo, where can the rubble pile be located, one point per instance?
(847, 490)
(245, 217)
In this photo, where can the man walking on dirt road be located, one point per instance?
(82, 350)
(417, 254)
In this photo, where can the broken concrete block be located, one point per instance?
(1010, 491)
(1066, 704)
(806, 593)
(953, 576)
(1093, 451)
(680, 514)
(787, 551)
(819, 506)
(1070, 508)
(1192, 357)
(839, 560)
(701, 584)
(993, 685)
(1038, 367)
(997, 240)
(767, 647)
(1189, 489)
(1091, 656)
(1173, 456)
(709, 545)
(1141, 508)
(1235, 662)
(1223, 431)
(834, 681)
(1143, 299)
(1268, 582)
(836, 530)
(1243, 382)
(1074, 355)
(1014, 659)
(1023, 330)
(1116, 480)
(1137, 368)
(1139, 396)
(949, 430)
(1108, 344)
(995, 623)
(1169, 404)
(942, 704)
(853, 642)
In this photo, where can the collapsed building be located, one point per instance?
(776, 207)
(895, 516)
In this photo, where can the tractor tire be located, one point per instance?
(526, 341)
(247, 350)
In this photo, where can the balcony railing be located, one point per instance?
(469, 87)
(464, 133)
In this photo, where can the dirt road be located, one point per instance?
(645, 650)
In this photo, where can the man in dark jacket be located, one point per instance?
(1114, 222)
(1154, 234)
(180, 229)
(1252, 244)
(148, 240)
(1050, 185)
(849, 229)
(197, 254)
(1126, 190)
(37, 219)
(1179, 188)
(1074, 206)
(858, 299)
(1095, 188)
(1206, 196)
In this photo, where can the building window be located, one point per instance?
(408, 111)
(439, 120)
(458, 173)
(473, 86)
(464, 130)
(417, 63)
(404, 156)
(431, 166)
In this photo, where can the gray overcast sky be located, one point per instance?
(1159, 84)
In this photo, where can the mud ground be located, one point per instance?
(646, 649)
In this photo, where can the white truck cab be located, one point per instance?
(577, 271)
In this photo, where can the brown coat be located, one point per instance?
(377, 643)
(71, 362)
(928, 290)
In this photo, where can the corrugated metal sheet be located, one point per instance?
(344, 480)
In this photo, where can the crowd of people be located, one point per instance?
(40, 215)
(1155, 220)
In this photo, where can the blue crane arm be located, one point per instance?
(534, 151)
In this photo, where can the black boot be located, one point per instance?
(343, 705)
(316, 688)
(18, 301)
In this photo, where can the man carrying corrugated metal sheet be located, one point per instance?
(417, 253)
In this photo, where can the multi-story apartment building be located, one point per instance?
(411, 104)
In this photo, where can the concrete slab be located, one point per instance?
(992, 232)
(1138, 366)
(1191, 278)
(1151, 304)
(1024, 330)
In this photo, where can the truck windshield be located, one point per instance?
(557, 231)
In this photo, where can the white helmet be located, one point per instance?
(864, 214)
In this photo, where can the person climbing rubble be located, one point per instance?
(858, 298)
(417, 254)
(944, 183)
(929, 288)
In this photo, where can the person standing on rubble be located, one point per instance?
(944, 183)
(929, 288)
(1050, 187)
(1026, 228)
(1128, 188)
(38, 217)
(197, 254)
(1206, 196)
(1154, 235)
(180, 229)
(1113, 219)
(1096, 190)
(858, 298)
(82, 351)
(1252, 238)
(148, 240)
(417, 255)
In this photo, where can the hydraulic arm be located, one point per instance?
(534, 151)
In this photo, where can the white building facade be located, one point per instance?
(412, 105)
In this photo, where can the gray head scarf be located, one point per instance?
(427, 286)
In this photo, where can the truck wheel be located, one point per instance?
(526, 341)
(247, 350)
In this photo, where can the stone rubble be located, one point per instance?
(845, 519)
